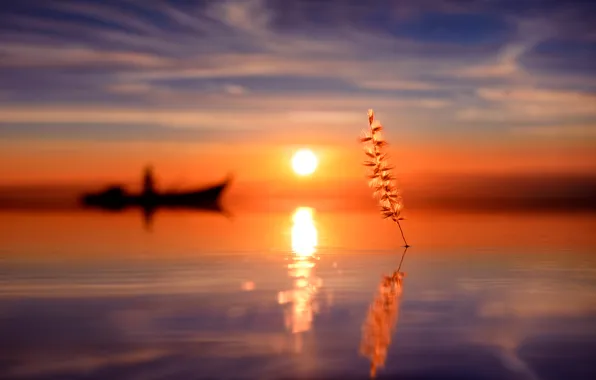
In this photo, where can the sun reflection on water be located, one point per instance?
(300, 300)
(304, 233)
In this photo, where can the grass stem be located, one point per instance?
(382, 181)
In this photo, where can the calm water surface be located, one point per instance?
(297, 294)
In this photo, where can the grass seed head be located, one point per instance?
(382, 181)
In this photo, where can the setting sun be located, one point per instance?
(304, 162)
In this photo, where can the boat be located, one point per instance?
(117, 198)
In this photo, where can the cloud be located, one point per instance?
(529, 94)
(181, 109)
(43, 56)
(531, 105)
(121, 116)
(128, 132)
(505, 64)
(249, 16)
(130, 88)
(234, 89)
(396, 85)
(557, 131)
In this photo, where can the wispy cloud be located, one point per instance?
(120, 132)
(532, 105)
(557, 131)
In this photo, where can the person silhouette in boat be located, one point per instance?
(148, 198)
(148, 182)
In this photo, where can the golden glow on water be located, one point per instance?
(300, 300)
(304, 232)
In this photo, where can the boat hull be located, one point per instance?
(117, 199)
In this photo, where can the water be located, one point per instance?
(286, 294)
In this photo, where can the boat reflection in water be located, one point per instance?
(300, 302)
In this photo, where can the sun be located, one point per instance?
(304, 162)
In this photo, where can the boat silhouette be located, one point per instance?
(117, 198)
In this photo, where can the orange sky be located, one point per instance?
(264, 179)
(264, 168)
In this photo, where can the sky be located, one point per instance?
(91, 91)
